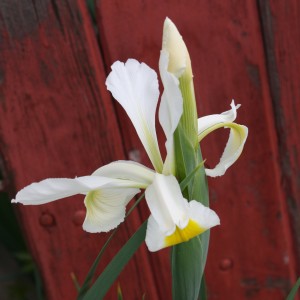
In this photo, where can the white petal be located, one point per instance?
(106, 208)
(204, 216)
(131, 171)
(52, 189)
(174, 44)
(228, 116)
(234, 147)
(154, 236)
(135, 86)
(170, 110)
(201, 218)
(166, 203)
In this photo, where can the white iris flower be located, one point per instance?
(109, 189)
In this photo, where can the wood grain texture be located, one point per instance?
(251, 254)
(57, 120)
(280, 25)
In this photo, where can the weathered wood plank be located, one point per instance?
(251, 254)
(280, 25)
(57, 120)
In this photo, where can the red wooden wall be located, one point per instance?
(58, 120)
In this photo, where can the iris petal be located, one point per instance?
(165, 201)
(52, 189)
(236, 141)
(170, 109)
(135, 86)
(138, 174)
(228, 116)
(106, 208)
(233, 149)
(201, 218)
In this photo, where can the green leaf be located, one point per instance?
(185, 276)
(293, 292)
(202, 295)
(185, 182)
(85, 286)
(23, 256)
(188, 259)
(91, 9)
(10, 233)
(185, 157)
(114, 268)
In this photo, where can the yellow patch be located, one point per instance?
(182, 235)
(90, 200)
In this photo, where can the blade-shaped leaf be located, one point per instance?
(293, 292)
(185, 276)
(185, 182)
(113, 269)
(202, 295)
(188, 259)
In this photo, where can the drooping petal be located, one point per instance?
(225, 117)
(237, 137)
(135, 86)
(201, 218)
(170, 110)
(138, 174)
(165, 201)
(155, 237)
(52, 189)
(233, 149)
(204, 216)
(105, 208)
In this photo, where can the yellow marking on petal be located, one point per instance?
(239, 128)
(90, 201)
(183, 235)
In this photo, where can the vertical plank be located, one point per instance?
(251, 254)
(280, 25)
(57, 120)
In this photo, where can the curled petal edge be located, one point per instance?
(233, 149)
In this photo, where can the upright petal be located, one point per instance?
(105, 208)
(131, 171)
(175, 46)
(170, 110)
(134, 85)
(180, 66)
